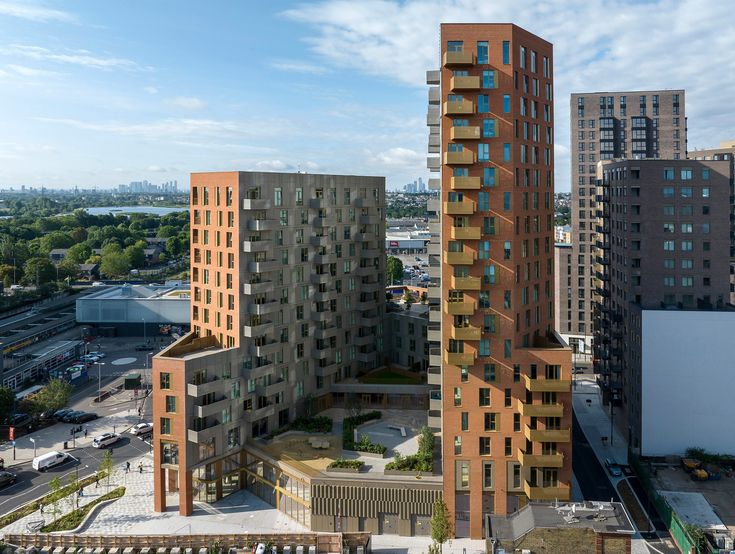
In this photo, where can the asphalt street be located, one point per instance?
(32, 485)
(590, 474)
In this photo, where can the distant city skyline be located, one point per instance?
(96, 95)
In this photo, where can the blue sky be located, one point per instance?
(101, 93)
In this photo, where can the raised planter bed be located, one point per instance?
(407, 473)
(343, 470)
(368, 454)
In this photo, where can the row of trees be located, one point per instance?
(26, 242)
(54, 396)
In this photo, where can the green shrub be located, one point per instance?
(75, 517)
(423, 460)
(342, 463)
(707, 457)
(348, 434)
(317, 424)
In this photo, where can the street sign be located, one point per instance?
(11, 433)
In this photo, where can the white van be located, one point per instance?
(51, 459)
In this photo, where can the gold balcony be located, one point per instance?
(547, 385)
(547, 435)
(461, 308)
(465, 233)
(465, 183)
(465, 157)
(466, 333)
(540, 460)
(465, 83)
(540, 410)
(463, 57)
(459, 258)
(465, 133)
(465, 207)
(546, 493)
(459, 358)
(459, 107)
(465, 283)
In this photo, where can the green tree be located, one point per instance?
(173, 246)
(7, 401)
(73, 485)
(55, 486)
(394, 268)
(55, 239)
(106, 464)
(166, 231)
(7, 281)
(68, 268)
(54, 396)
(441, 526)
(38, 271)
(135, 256)
(115, 264)
(78, 253)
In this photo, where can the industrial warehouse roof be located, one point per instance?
(138, 292)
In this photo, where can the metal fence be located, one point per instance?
(683, 540)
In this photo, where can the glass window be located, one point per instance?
(485, 347)
(506, 201)
(483, 103)
(686, 173)
(506, 52)
(506, 152)
(506, 103)
(488, 127)
(488, 78)
(482, 52)
(668, 192)
(705, 192)
(705, 174)
(686, 192)
(165, 380)
(483, 152)
(488, 176)
(669, 173)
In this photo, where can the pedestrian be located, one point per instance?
(96, 481)
(127, 466)
(81, 492)
(140, 467)
(85, 432)
(40, 507)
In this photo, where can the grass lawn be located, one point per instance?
(75, 517)
(388, 376)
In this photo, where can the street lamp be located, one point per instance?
(145, 339)
(99, 381)
(34, 446)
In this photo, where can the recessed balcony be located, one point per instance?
(465, 283)
(213, 408)
(547, 385)
(461, 57)
(263, 266)
(465, 233)
(262, 225)
(540, 410)
(546, 493)
(257, 245)
(256, 204)
(257, 288)
(465, 83)
(465, 333)
(263, 307)
(459, 358)
(465, 207)
(540, 460)
(257, 330)
(459, 258)
(547, 435)
(461, 308)
(459, 107)
(465, 133)
(465, 183)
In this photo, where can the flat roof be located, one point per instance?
(602, 517)
(693, 508)
(140, 292)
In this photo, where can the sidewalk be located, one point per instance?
(123, 416)
(594, 418)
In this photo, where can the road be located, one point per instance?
(32, 484)
(587, 469)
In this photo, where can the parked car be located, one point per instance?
(613, 468)
(260, 549)
(69, 417)
(105, 439)
(89, 358)
(7, 478)
(19, 420)
(144, 347)
(48, 460)
(84, 417)
(141, 429)
(58, 414)
(98, 354)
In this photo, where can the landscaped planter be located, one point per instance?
(408, 473)
(343, 469)
(368, 454)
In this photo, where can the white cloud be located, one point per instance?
(273, 165)
(73, 57)
(168, 129)
(35, 13)
(398, 158)
(300, 67)
(187, 102)
(151, 90)
(612, 45)
(26, 71)
(156, 169)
